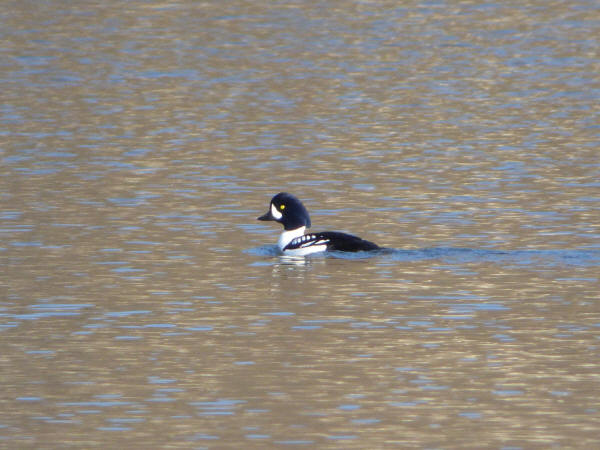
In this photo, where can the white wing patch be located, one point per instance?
(307, 240)
(305, 245)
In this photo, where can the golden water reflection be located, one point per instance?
(143, 304)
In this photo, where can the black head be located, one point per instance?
(288, 211)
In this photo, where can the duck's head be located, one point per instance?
(288, 211)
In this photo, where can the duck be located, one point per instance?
(289, 211)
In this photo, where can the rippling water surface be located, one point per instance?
(142, 303)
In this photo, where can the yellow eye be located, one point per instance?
(282, 207)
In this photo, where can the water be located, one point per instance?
(144, 306)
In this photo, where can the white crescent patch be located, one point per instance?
(275, 213)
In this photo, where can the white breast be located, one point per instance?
(287, 236)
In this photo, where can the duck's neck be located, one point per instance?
(286, 237)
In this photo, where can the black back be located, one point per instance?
(344, 242)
